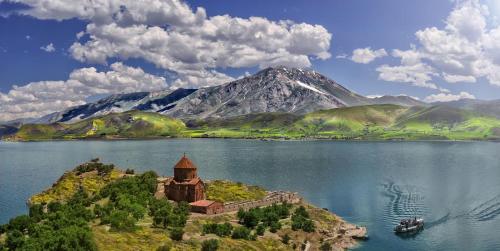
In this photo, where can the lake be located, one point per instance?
(455, 186)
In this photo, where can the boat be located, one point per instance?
(409, 225)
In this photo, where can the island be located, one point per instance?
(97, 206)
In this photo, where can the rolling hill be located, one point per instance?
(370, 122)
(132, 124)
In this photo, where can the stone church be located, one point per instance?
(185, 185)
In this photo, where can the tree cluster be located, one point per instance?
(221, 230)
(61, 227)
(94, 165)
(264, 217)
(65, 226)
(301, 220)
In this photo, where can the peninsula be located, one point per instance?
(97, 206)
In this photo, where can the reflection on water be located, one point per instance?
(454, 186)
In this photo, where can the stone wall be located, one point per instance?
(271, 198)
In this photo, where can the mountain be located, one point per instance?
(276, 89)
(402, 100)
(143, 101)
(485, 107)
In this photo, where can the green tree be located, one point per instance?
(20, 223)
(251, 219)
(308, 226)
(176, 234)
(210, 245)
(15, 239)
(36, 212)
(275, 226)
(260, 230)
(122, 221)
(241, 233)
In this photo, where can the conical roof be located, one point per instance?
(185, 162)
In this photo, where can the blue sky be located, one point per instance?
(40, 49)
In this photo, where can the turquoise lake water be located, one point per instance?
(455, 186)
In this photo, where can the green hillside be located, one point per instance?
(133, 124)
(371, 122)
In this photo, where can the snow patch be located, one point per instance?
(309, 87)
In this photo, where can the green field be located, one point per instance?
(372, 122)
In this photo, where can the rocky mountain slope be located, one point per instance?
(276, 89)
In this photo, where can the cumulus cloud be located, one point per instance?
(464, 50)
(367, 55)
(418, 74)
(39, 98)
(173, 36)
(48, 48)
(444, 97)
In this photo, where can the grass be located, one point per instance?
(69, 184)
(227, 191)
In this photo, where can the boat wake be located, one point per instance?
(405, 202)
(487, 210)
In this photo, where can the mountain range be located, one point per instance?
(289, 101)
(275, 89)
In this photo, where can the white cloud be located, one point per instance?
(48, 48)
(342, 56)
(443, 97)
(373, 96)
(39, 98)
(173, 36)
(28, 37)
(367, 55)
(464, 50)
(458, 78)
(418, 74)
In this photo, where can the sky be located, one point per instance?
(56, 54)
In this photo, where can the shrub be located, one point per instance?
(308, 226)
(15, 239)
(122, 221)
(20, 223)
(166, 247)
(241, 233)
(325, 246)
(36, 212)
(221, 230)
(275, 226)
(285, 239)
(210, 245)
(176, 234)
(129, 171)
(260, 230)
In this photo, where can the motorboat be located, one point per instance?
(409, 225)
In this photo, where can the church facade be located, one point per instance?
(185, 185)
